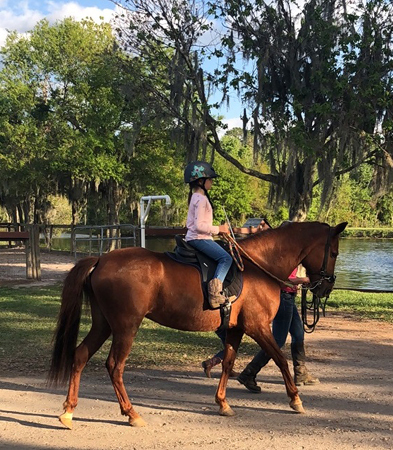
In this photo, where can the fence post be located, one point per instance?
(33, 260)
(73, 241)
(36, 252)
(29, 268)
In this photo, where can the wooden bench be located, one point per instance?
(32, 248)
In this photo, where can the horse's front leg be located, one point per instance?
(233, 338)
(267, 342)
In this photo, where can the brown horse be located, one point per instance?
(124, 286)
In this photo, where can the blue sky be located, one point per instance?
(22, 15)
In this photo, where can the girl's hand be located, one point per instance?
(223, 229)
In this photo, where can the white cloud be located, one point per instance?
(3, 36)
(235, 122)
(73, 9)
(20, 19)
(23, 15)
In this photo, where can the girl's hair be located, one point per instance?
(195, 184)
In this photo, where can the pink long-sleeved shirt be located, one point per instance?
(200, 219)
(291, 289)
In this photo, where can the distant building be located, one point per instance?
(253, 222)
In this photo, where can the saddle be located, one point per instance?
(186, 254)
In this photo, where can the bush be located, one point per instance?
(368, 232)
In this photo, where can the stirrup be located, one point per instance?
(225, 314)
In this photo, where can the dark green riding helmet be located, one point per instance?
(198, 169)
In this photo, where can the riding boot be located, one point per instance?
(209, 364)
(249, 374)
(216, 297)
(302, 376)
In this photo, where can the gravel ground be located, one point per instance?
(352, 408)
(54, 266)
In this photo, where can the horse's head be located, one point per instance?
(320, 262)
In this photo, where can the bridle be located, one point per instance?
(316, 302)
(324, 276)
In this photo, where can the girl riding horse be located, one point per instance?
(124, 286)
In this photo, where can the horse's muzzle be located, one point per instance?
(324, 286)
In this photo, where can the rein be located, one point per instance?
(236, 250)
(307, 307)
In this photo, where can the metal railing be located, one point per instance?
(103, 237)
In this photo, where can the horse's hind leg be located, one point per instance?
(232, 342)
(121, 347)
(97, 335)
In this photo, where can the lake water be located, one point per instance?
(365, 263)
(361, 264)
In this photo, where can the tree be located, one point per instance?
(318, 85)
(64, 108)
(241, 196)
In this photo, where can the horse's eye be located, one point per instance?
(334, 254)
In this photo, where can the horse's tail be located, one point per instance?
(67, 330)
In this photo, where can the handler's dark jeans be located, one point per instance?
(287, 320)
(222, 334)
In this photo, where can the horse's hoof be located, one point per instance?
(227, 412)
(297, 406)
(66, 420)
(138, 422)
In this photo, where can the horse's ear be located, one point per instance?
(340, 228)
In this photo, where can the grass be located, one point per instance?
(28, 319)
(365, 304)
(364, 232)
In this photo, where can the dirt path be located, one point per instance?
(54, 266)
(352, 408)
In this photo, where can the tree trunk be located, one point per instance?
(114, 199)
(299, 189)
(78, 199)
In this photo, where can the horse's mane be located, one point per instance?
(284, 225)
(286, 230)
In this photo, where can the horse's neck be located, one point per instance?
(275, 252)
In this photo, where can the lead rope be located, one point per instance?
(307, 307)
(311, 306)
(316, 302)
